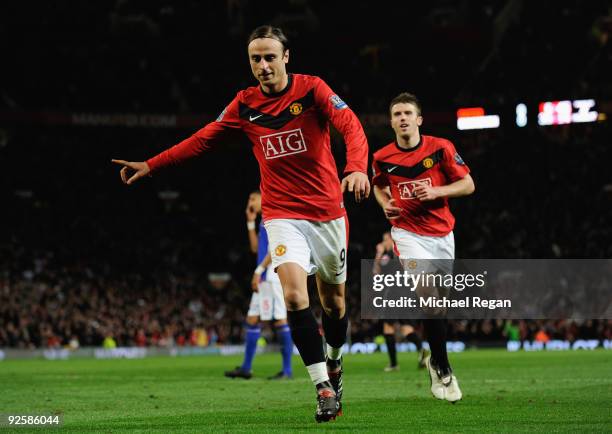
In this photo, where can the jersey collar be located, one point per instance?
(282, 92)
(410, 149)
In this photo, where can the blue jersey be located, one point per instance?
(262, 247)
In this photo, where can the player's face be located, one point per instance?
(268, 62)
(405, 119)
(255, 202)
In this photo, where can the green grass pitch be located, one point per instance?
(569, 391)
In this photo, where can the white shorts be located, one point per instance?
(440, 250)
(268, 303)
(317, 247)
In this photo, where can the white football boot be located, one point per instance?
(453, 393)
(446, 387)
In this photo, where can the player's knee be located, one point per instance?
(295, 303)
(296, 299)
(252, 320)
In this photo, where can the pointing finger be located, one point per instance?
(121, 162)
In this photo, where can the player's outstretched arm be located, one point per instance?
(358, 183)
(191, 147)
(132, 171)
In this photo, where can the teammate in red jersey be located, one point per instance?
(413, 178)
(287, 120)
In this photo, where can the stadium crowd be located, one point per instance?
(83, 258)
(44, 304)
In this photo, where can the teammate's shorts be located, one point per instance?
(268, 304)
(439, 251)
(317, 247)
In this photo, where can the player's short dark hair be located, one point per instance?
(407, 98)
(268, 31)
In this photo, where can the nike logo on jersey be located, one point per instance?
(276, 122)
(415, 171)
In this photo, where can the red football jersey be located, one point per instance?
(433, 161)
(289, 131)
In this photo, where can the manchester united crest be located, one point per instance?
(280, 250)
(428, 163)
(295, 108)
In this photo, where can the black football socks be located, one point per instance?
(391, 350)
(308, 340)
(435, 329)
(415, 339)
(306, 336)
(335, 335)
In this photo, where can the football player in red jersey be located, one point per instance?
(413, 178)
(286, 117)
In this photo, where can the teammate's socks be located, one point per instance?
(308, 340)
(436, 336)
(391, 350)
(335, 335)
(415, 339)
(284, 336)
(252, 335)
